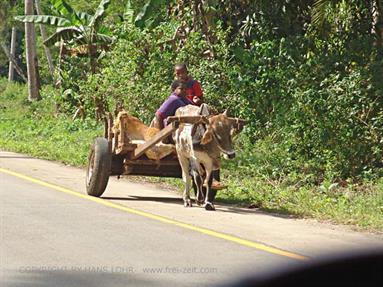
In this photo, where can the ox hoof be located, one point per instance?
(199, 202)
(209, 206)
(188, 203)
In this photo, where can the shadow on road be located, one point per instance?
(220, 206)
(146, 198)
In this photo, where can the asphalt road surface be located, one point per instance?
(53, 234)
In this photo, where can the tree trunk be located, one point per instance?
(44, 37)
(38, 83)
(31, 56)
(59, 71)
(13, 60)
(377, 23)
(12, 55)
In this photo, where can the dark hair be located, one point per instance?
(181, 66)
(176, 84)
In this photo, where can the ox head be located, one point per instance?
(221, 128)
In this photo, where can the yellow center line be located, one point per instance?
(212, 233)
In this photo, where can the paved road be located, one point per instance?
(52, 234)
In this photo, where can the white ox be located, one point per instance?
(199, 148)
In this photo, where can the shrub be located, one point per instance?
(315, 105)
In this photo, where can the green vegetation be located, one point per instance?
(74, 27)
(359, 205)
(307, 75)
(35, 128)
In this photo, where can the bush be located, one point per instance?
(35, 128)
(314, 104)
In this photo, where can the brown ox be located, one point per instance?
(200, 155)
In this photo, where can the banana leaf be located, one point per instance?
(149, 14)
(129, 13)
(68, 12)
(66, 34)
(63, 8)
(99, 14)
(44, 19)
(98, 39)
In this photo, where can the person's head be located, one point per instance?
(181, 72)
(178, 88)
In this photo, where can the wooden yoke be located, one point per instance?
(188, 119)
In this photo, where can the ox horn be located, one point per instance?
(225, 113)
(239, 123)
(237, 120)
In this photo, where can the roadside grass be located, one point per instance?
(36, 129)
(360, 206)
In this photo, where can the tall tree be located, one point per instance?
(31, 55)
(7, 10)
(12, 54)
(13, 60)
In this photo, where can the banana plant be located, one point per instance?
(75, 27)
(150, 14)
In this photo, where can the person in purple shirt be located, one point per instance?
(176, 100)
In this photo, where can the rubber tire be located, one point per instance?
(99, 167)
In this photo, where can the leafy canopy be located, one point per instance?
(73, 26)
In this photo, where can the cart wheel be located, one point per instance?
(99, 165)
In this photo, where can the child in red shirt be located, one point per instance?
(194, 94)
(193, 87)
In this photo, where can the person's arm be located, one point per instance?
(166, 109)
(159, 122)
(197, 93)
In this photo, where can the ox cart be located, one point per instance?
(116, 154)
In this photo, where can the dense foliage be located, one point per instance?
(305, 74)
(316, 99)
